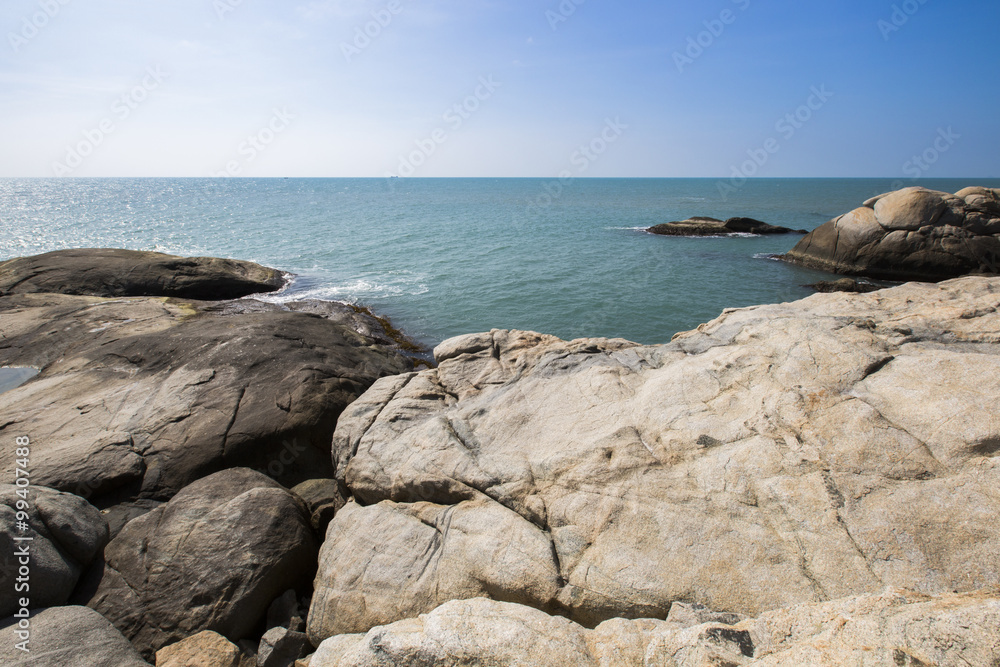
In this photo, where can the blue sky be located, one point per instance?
(267, 88)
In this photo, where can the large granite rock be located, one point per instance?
(113, 272)
(213, 558)
(67, 637)
(62, 535)
(888, 630)
(702, 226)
(778, 455)
(910, 234)
(138, 397)
(205, 649)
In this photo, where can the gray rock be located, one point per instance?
(701, 226)
(138, 397)
(910, 234)
(845, 285)
(112, 272)
(324, 499)
(285, 612)
(213, 558)
(779, 455)
(65, 534)
(281, 647)
(68, 637)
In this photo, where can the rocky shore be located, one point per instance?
(241, 484)
(702, 226)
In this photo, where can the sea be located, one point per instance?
(444, 257)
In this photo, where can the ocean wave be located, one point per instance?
(774, 257)
(352, 290)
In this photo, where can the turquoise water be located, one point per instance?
(444, 257)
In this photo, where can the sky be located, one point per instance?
(495, 88)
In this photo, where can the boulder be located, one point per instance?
(778, 455)
(67, 636)
(112, 272)
(138, 397)
(281, 647)
(61, 533)
(701, 226)
(324, 499)
(467, 633)
(205, 649)
(213, 558)
(910, 234)
(886, 630)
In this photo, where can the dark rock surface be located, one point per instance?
(910, 234)
(68, 637)
(849, 285)
(138, 397)
(65, 534)
(113, 272)
(213, 558)
(701, 226)
(324, 498)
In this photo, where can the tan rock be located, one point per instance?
(910, 234)
(886, 630)
(778, 455)
(205, 649)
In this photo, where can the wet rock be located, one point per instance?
(111, 272)
(701, 226)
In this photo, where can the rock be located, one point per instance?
(284, 612)
(323, 498)
(281, 647)
(845, 285)
(471, 549)
(67, 636)
(891, 629)
(778, 455)
(470, 633)
(205, 649)
(688, 615)
(139, 397)
(110, 272)
(701, 226)
(213, 558)
(65, 534)
(910, 234)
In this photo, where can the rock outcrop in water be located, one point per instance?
(112, 272)
(910, 234)
(779, 455)
(700, 226)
